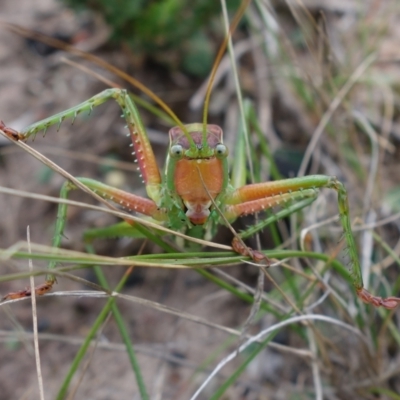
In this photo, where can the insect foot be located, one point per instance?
(11, 133)
(257, 256)
(368, 298)
(39, 290)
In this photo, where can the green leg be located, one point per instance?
(140, 141)
(257, 197)
(388, 302)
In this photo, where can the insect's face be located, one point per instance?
(205, 144)
(198, 168)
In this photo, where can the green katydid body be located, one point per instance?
(194, 194)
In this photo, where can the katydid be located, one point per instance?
(196, 182)
(194, 194)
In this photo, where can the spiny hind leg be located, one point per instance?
(128, 201)
(292, 202)
(257, 197)
(307, 197)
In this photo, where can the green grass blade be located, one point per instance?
(83, 349)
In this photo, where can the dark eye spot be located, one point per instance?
(221, 150)
(176, 151)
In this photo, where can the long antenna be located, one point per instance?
(221, 51)
(59, 44)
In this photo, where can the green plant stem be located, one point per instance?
(110, 306)
(122, 329)
(232, 379)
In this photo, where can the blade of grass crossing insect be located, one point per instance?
(153, 237)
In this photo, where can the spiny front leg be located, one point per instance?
(142, 148)
(140, 142)
(257, 197)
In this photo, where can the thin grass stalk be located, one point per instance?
(122, 329)
(35, 322)
(267, 332)
(239, 371)
(83, 349)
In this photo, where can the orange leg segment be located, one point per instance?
(257, 197)
(263, 190)
(126, 200)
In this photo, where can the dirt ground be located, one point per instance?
(169, 348)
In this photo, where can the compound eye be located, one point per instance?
(176, 151)
(221, 150)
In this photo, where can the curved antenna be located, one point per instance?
(59, 44)
(221, 51)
